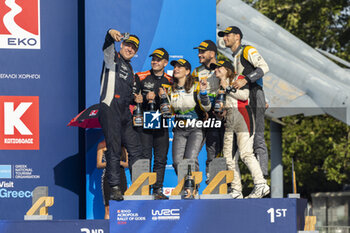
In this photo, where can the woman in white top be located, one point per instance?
(239, 122)
(189, 101)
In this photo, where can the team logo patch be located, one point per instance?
(20, 24)
(93, 113)
(182, 61)
(204, 44)
(161, 53)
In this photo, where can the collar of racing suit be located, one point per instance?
(206, 67)
(155, 76)
(180, 88)
(237, 50)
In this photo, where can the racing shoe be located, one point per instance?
(236, 194)
(159, 195)
(116, 193)
(259, 191)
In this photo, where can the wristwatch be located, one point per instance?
(229, 89)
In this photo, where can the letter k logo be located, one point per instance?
(13, 118)
(19, 123)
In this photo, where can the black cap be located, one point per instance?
(134, 40)
(207, 45)
(181, 62)
(231, 29)
(223, 63)
(161, 53)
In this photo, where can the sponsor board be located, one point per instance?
(19, 123)
(18, 171)
(8, 189)
(20, 24)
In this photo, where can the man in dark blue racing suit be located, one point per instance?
(116, 95)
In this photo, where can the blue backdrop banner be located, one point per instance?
(38, 97)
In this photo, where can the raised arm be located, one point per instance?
(109, 47)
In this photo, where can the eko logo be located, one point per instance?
(19, 123)
(20, 24)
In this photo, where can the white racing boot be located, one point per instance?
(259, 191)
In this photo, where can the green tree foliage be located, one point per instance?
(319, 145)
(320, 23)
(321, 151)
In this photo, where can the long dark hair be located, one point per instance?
(230, 75)
(188, 83)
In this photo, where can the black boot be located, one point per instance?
(116, 194)
(159, 195)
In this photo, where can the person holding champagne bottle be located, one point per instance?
(189, 101)
(239, 123)
(148, 83)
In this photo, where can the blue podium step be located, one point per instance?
(242, 216)
(180, 216)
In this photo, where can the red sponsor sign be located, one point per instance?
(19, 122)
(20, 24)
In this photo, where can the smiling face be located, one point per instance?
(232, 40)
(127, 50)
(205, 57)
(180, 72)
(158, 64)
